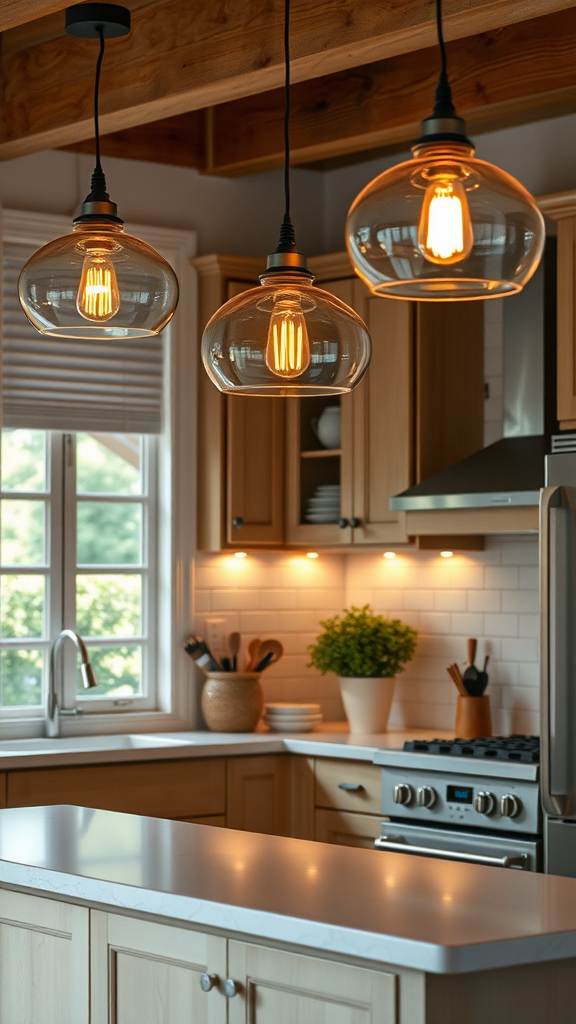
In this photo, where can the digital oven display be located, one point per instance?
(459, 794)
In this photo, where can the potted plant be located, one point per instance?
(367, 651)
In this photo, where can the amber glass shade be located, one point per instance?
(286, 338)
(445, 226)
(98, 282)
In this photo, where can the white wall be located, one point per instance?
(230, 215)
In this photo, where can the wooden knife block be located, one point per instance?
(473, 717)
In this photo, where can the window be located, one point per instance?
(112, 402)
(78, 551)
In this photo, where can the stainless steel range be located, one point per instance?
(467, 800)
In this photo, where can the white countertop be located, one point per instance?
(176, 745)
(431, 915)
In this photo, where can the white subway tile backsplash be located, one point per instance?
(490, 594)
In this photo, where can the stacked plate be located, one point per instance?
(292, 717)
(324, 505)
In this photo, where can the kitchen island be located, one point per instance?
(112, 917)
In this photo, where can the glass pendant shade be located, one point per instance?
(286, 338)
(445, 226)
(98, 282)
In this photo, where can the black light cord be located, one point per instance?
(287, 110)
(441, 43)
(100, 31)
(443, 106)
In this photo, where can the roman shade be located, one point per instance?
(71, 385)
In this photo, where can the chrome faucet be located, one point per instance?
(55, 712)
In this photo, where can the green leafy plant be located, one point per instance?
(363, 644)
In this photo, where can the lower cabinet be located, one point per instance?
(44, 961)
(285, 988)
(258, 794)
(148, 973)
(3, 789)
(344, 829)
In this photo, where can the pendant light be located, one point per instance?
(98, 282)
(286, 337)
(444, 225)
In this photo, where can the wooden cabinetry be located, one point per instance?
(3, 789)
(562, 208)
(148, 973)
(258, 794)
(344, 829)
(348, 785)
(164, 789)
(44, 961)
(418, 410)
(282, 988)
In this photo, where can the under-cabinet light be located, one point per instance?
(240, 554)
(312, 554)
(389, 554)
(446, 554)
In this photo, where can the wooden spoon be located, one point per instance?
(271, 650)
(253, 648)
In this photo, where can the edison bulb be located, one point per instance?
(98, 296)
(288, 347)
(445, 232)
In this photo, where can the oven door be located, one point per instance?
(471, 847)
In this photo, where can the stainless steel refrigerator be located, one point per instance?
(558, 658)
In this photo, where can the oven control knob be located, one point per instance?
(402, 793)
(484, 803)
(510, 806)
(426, 796)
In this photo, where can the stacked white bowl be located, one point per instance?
(283, 717)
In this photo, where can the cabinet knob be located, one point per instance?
(355, 523)
(231, 988)
(237, 522)
(342, 523)
(208, 982)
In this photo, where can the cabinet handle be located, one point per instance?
(342, 523)
(355, 523)
(231, 988)
(351, 787)
(237, 522)
(208, 982)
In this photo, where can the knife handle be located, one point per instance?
(472, 646)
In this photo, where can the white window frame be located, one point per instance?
(176, 701)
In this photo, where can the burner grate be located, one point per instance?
(525, 749)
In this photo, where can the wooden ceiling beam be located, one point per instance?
(18, 12)
(184, 55)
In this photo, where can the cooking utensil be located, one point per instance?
(253, 648)
(454, 673)
(483, 676)
(198, 650)
(474, 686)
(269, 652)
(233, 648)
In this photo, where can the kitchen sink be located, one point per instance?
(75, 744)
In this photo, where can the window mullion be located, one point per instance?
(69, 563)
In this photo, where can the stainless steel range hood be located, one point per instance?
(510, 471)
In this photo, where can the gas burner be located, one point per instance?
(494, 748)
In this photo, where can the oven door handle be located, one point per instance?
(520, 861)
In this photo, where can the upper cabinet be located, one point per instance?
(319, 472)
(562, 208)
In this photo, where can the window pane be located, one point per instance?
(23, 532)
(21, 678)
(108, 606)
(23, 460)
(118, 671)
(22, 606)
(109, 533)
(109, 464)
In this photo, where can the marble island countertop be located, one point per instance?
(332, 740)
(430, 915)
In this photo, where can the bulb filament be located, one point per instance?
(445, 232)
(98, 296)
(288, 347)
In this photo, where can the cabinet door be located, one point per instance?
(44, 961)
(383, 419)
(284, 988)
(162, 789)
(258, 794)
(566, 323)
(310, 465)
(3, 789)
(348, 785)
(148, 973)
(342, 829)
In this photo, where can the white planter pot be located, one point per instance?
(367, 703)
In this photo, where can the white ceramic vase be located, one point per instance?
(367, 703)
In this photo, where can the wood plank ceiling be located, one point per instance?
(197, 81)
